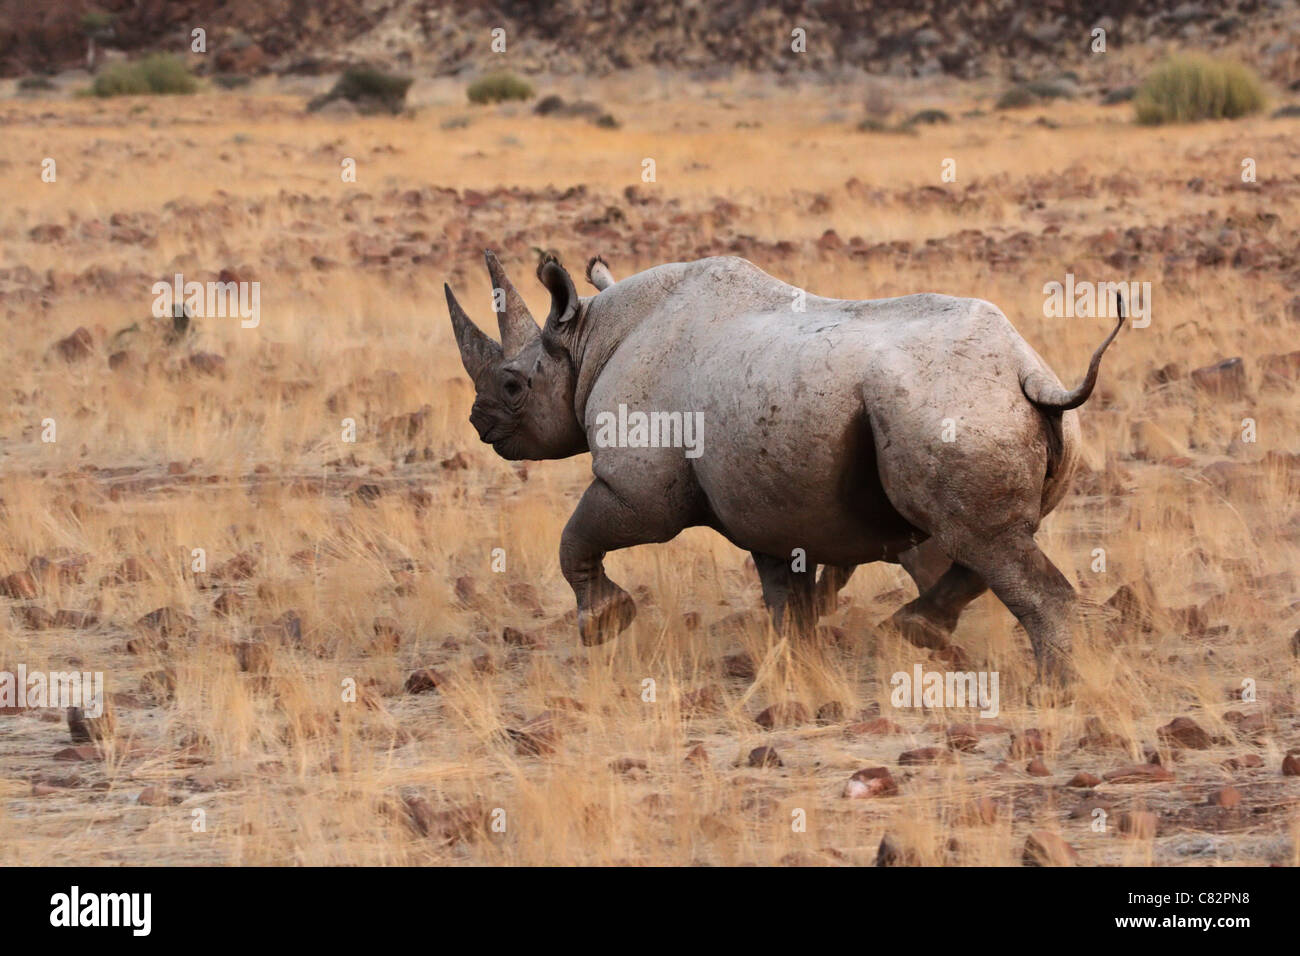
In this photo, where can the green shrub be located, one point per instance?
(499, 87)
(158, 73)
(1191, 87)
(371, 89)
(36, 83)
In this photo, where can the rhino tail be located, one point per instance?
(1050, 397)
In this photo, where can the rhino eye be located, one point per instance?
(512, 388)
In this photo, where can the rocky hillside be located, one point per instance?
(897, 37)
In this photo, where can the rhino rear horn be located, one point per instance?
(477, 351)
(518, 327)
(564, 296)
(598, 273)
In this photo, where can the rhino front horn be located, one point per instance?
(477, 351)
(518, 327)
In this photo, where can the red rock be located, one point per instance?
(227, 603)
(764, 757)
(921, 755)
(424, 680)
(1291, 764)
(1027, 744)
(388, 634)
(20, 585)
(1185, 732)
(877, 725)
(1084, 780)
(981, 810)
(739, 666)
(691, 620)
(706, 700)
(831, 712)
(76, 620)
(484, 664)
(1226, 378)
(1037, 768)
(77, 346)
(627, 764)
(870, 782)
(1139, 824)
(156, 797)
(83, 752)
(697, 756)
(1228, 798)
(517, 638)
(787, 713)
(1243, 762)
(1139, 773)
(167, 621)
(1043, 848)
(1096, 737)
(254, 657)
(35, 617)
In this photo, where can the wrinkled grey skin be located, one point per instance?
(823, 431)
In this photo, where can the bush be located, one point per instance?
(499, 87)
(1191, 87)
(36, 83)
(1037, 91)
(158, 73)
(371, 89)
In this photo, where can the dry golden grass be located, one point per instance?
(288, 773)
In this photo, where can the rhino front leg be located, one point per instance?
(602, 523)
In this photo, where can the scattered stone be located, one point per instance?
(1139, 824)
(254, 657)
(876, 725)
(831, 712)
(921, 755)
(764, 757)
(1225, 379)
(706, 700)
(1085, 780)
(1185, 732)
(788, 713)
(1043, 848)
(424, 680)
(1139, 773)
(1229, 798)
(1037, 768)
(870, 782)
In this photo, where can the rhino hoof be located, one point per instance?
(918, 630)
(605, 618)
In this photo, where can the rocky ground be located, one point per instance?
(897, 38)
(480, 730)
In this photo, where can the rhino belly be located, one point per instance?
(807, 480)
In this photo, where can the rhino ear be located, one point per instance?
(477, 351)
(564, 296)
(517, 325)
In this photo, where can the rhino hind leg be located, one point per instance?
(790, 596)
(1038, 594)
(601, 523)
(829, 584)
(930, 620)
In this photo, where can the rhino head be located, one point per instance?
(524, 387)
